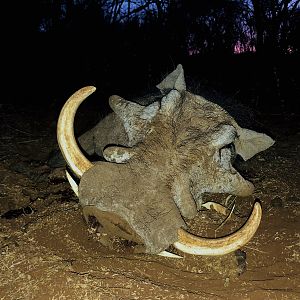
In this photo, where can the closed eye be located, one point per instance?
(227, 155)
(228, 150)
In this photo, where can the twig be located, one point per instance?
(254, 249)
(29, 141)
(226, 219)
(227, 199)
(19, 130)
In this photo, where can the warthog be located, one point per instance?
(166, 156)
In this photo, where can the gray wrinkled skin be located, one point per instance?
(179, 148)
(200, 120)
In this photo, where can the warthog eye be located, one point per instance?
(227, 155)
(231, 149)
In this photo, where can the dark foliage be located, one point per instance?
(247, 49)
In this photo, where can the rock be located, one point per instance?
(277, 202)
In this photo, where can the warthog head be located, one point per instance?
(178, 148)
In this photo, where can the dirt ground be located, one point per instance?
(47, 251)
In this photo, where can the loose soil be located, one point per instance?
(48, 251)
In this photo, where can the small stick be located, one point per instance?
(226, 219)
(254, 249)
(16, 129)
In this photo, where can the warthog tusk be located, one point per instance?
(77, 162)
(169, 254)
(72, 182)
(192, 244)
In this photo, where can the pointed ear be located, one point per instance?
(170, 103)
(135, 117)
(174, 81)
(118, 154)
(249, 142)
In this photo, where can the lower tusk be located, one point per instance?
(72, 182)
(169, 254)
(192, 244)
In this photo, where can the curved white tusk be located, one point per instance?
(77, 162)
(72, 182)
(192, 244)
(169, 254)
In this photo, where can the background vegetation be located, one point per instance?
(248, 49)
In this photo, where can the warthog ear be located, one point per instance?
(170, 103)
(174, 81)
(118, 154)
(135, 117)
(249, 142)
